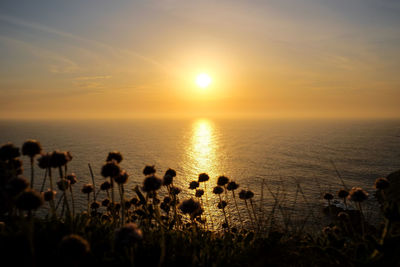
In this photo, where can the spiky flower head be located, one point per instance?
(151, 183)
(203, 177)
(199, 192)
(222, 204)
(114, 155)
(71, 178)
(29, 200)
(49, 195)
(31, 148)
(128, 235)
(328, 196)
(343, 193)
(218, 190)
(74, 248)
(16, 185)
(122, 178)
(222, 180)
(87, 188)
(149, 170)
(194, 185)
(357, 194)
(381, 183)
(9, 151)
(63, 184)
(232, 186)
(110, 169)
(105, 186)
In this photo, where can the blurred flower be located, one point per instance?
(203, 177)
(194, 185)
(167, 199)
(16, 185)
(343, 215)
(9, 151)
(127, 235)
(357, 194)
(199, 192)
(242, 194)
(44, 161)
(74, 248)
(222, 204)
(167, 180)
(151, 183)
(16, 165)
(342, 193)
(165, 207)
(222, 180)
(87, 188)
(192, 207)
(218, 190)
(110, 169)
(170, 172)
(95, 205)
(114, 155)
(58, 158)
(232, 186)
(134, 201)
(71, 178)
(105, 202)
(328, 196)
(249, 194)
(175, 190)
(49, 195)
(63, 184)
(29, 200)
(381, 183)
(105, 186)
(31, 148)
(122, 178)
(148, 170)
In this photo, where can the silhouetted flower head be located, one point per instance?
(343, 193)
(95, 205)
(59, 158)
(114, 155)
(224, 225)
(29, 200)
(9, 151)
(74, 248)
(63, 184)
(193, 185)
(110, 169)
(170, 172)
(191, 207)
(218, 190)
(16, 185)
(242, 194)
(127, 203)
(31, 148)
(105, 186)
(222, 204)
(127, 235)
(203, 177)
(105, 202)
(44, 161)
(15, 165)
(87, 188)
(328, 196)
(222, 180)
(148, 170)
(167, 180)
(49, 195)
(134, 201)
(199, 192)
(151, 183)
(122, 178)
(249, 194)
(232, 186)
(381, 183)
(175, 190)
(357, 194)
(71, 178)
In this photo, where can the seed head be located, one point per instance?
(222, 180)
(110, 169)
(128, 235)
(357, 194)
(63, 184)
(29, 200)
(194, 185)
(105, 186)
(49, 195)
(151, 183)
(114, 155)
(203, 177)
(87, 188)
(342, 193)
(199, 192)
(218, 190)
(9, 151)
(232, 186)
(31, 148)
(381, 183)
(149, 170)
(122, 178)
(71, 178)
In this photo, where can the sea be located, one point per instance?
(288, 164)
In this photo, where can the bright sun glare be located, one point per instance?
(203, 80)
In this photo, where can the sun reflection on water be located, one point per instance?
(203, 151)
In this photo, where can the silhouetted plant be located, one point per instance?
(343, 194)
(31, 148)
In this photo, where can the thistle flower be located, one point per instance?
(122, 178)
(49, 195)
(9, 151)
(222, 180)
(95, 205)
(59, 158)
(127, 235)
(105, 186)
(194, 185)
(222, 204)
(342, 193)
(191, 207)
(87, 188)
(105, 202)
(110, 169)
(63, 184)
(114, 155)
(175, 190)
(218, 190)
(16, 185)
(203, 177)
(232, 186)
(357, 194)
(44, 161)
(31, 148)
(151, 183)
(71, 178)
(29, 200)
(74, 248)
(199, 192)
(381, 183)
(148, 170)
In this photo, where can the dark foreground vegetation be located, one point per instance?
(158, 228)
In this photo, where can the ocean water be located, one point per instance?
(283, 155)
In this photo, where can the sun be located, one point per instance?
(203, 80)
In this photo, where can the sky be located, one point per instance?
(139, 59)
